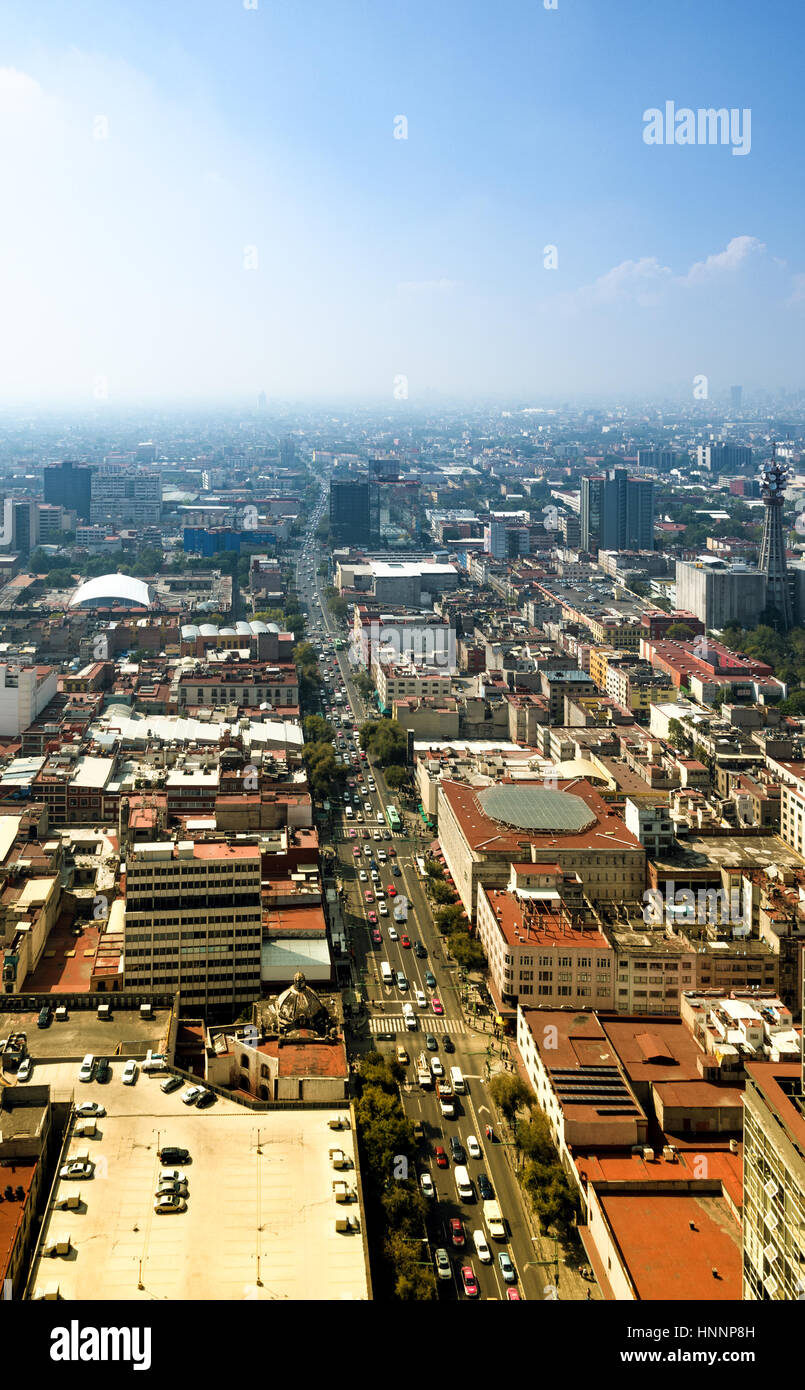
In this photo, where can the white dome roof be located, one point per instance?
(113, 588)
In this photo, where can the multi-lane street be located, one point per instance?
(378, 870)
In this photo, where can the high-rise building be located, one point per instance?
(194, 922)
(735, 397)
(67, 485)
(125, 496)
(287, 452)
(719, 593)
(774, 1183)
(617, 512)
(771, 561)
(570, 527)
(495, 540)
(354, 511)
(656, 460)
(723, 458)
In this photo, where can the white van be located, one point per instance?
(464, 1186)
(482, 1247)
(457, 1078)
(87, 1068)
(385, 971)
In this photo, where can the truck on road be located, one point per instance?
(423, 1075)
(493, 1217)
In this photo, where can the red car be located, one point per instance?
(391, 890)
(368, 896)
(405, 941)
(392, 851)
(356, 851)
(441, 1156)
(377, 939)
(363, 757)
(436, 1005)
(514, 1295)
(457, 1232)
(373, 919)
(469, 1281)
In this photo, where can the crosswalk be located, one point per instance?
(396, 1023)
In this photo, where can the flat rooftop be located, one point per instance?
(665, 1258)
(84, 1032)
(717, 851)
(260, 1184)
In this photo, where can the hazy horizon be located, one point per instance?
(205, 202)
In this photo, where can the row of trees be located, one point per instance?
(451, 920)
(554, 1199)
(396, 1209)
(385, 741)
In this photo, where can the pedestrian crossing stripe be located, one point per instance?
(434, 1025)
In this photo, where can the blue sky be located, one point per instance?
(246, 220)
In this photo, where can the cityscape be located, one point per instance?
(402, 724)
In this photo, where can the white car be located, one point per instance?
(436, 1068)
(24, 1069)
(426, 1183)
(482, 1248)
(90, 1109)
(171, 1175)
(381, 907)
(421, 999)
(367, 805)
(379, 819)
(191, 1095)
(363, 876)
(393, 934)
(473, 1147)
(375, 876)
(129, 1073)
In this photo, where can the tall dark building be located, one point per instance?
(658, 460)
(354, 511)
(772, 561)
(736, 392)
(67, 485)
(617, 512)
(287, 452)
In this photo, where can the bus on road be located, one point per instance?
(393, 818)
(420, 866)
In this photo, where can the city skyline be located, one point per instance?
(204, 208)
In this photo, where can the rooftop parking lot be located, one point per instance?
(261, 1212)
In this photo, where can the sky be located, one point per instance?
(351, 200)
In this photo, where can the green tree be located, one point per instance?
(441, 892)
(510, 1094)
(364, 684)
(396, 777)
(317, 729)
(434, 869)
(467, 950)
(680, 632)
(449, 919)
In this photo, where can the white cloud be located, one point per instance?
(736, 252)
(637, 280)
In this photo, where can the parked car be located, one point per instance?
(169, 1153)
(90, 1109)
(171, 1083)
(172, 1175)
(192, 1094)
(76, 1168)
(173, 1186)
(102, 1069)
(206, 1099)
(168, 1203)
(129, 1075)
(24, 1069)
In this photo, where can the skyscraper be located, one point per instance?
(772, 562)
(67, 485)
(617, 512)
(354, 511)
(735, 397)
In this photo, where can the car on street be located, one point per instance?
(436, 1067)
(356, 851)
(382, 909)
(485, 1188)
(192, 1094)
(368, 896)
(402, 980)
(456, 1226)
(421, 999)
(430, 979)
(457, 1149)
(129, 1075)
(482, 1247)
(377, 939)
(90, 1109)
(406, 942)
(449, 1045)
(362, 876)
(430, 1042)
(473, 1147)
(419, 950)
(426, 1183)
(469, 1282)
(393, 934)
(436, 1005)
(514, 1296)
(168, 1203)
(371, 917)
(392, 892)
(77, 1168)
(442, 1161)
(506, 1267)
(442, 1262)
(24, 1069)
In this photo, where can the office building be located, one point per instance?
(67, 485)
(736, 393)
(125, 496)
(724, 458)
(495, 543)
(194, 922)
(617, 512)
(774, 1183)
(656, 460)
(719, 593)
(24, 692)
(287, 452)
(354, 512)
